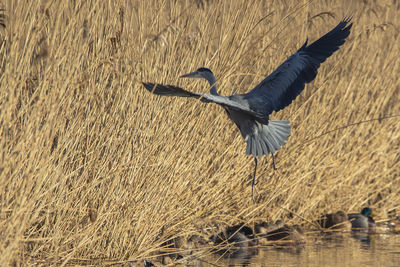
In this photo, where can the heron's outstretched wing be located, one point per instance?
(283, 85)
(170, 90)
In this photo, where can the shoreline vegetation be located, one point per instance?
(93, 169)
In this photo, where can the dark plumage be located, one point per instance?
(283, 85)
(335, 221)
(363, 221)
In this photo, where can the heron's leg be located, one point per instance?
(254, 180)
(273, 162)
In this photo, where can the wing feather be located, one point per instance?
(169, 90)
(283, 85)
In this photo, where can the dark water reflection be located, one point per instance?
(349, 250)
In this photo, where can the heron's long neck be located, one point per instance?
(213, 82)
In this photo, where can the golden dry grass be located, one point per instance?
(93, 167)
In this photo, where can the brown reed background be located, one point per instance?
(94, 168)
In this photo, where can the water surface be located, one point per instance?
(337, 250)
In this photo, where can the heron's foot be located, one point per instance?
(253, 183)
(273, 162)
(252, 194)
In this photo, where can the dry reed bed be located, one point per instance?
(94, 167)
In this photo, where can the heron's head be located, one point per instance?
(199, 73)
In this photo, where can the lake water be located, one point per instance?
(337, 250)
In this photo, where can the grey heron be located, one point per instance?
(250, 112)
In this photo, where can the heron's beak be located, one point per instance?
(193, 74)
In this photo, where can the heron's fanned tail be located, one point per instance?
(267, 138)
